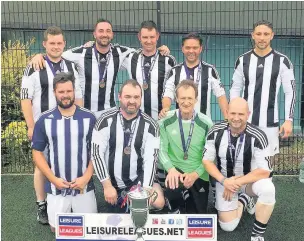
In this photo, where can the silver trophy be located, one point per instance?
(139, 208)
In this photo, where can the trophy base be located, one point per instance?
(140, 239)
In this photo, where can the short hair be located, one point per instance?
(102, 20)
(149, 25)
(63, 77)
(192, 36)
(53, 30)
(132, 82)
(263, 22)
(186, 84)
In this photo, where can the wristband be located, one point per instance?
(222, 181)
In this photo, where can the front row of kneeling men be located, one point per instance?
(173, 157)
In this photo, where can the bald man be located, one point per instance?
(241, 169)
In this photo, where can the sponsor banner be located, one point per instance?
(161, 227)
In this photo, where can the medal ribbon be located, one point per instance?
(151, 67)
(134, 124)
(199, 72)
(52, 67)
(238, 149)
(185, 146)
(102, 72)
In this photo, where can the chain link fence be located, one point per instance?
(224, 26)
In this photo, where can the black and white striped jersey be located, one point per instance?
(151, 98)
(207, 81)
(253, 152)
(38, 86)
(109, 141)
(260, 79)
(98, 98)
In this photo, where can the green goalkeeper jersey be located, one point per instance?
(171, 153)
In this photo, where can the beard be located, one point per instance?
(65, 106)
(102, 43)
(129, 111)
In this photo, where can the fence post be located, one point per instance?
(158, 21)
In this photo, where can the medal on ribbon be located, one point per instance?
(199, 73)
(147, 79)
(102, 71)
(181, 129)
(102, 83)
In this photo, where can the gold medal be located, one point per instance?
(127, 150)
(102, 84)
(185, 156)
(145, 85)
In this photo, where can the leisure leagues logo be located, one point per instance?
(200, 228)
(70, 226)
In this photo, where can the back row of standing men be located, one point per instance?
(259, 73)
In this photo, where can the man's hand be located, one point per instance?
(110, 194)
(37, 62)
(188, 179)
(164, 50)
(172, 179)
(227, 195)
(286, 128)
(30, 132)
(88, 44)
(163, 113)
(231, 184)
(79, 183)
(60, 183)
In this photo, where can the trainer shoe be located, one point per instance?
(251, 206)
(42, 216)
(257, 238)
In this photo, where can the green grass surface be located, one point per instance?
(18, 213)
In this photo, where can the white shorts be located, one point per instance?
(272, 134)
(82, 203)
(224, 206)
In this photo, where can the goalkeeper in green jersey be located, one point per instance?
(182, 139)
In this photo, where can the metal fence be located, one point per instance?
(224, 26)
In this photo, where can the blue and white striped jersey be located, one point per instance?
(68, 140)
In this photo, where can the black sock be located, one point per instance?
(258, 228)
(244, 199)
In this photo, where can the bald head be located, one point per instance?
(239, 103)
(238, 113)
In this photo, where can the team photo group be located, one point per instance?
(156, 130)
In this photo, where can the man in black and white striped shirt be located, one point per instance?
(241, 168)
(202, 73)
(149, 68)
(37, 96)
(125, 143)
(259, 73)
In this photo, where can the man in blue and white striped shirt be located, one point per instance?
(66, 131)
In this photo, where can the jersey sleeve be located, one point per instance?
(237, 80)
(100, 142)
(289, 88)
(151, 155)
(262, 152)
(124, 56)
(169, 85)
(163, 148)
(27, 84)
(39, 139)
(79, 92)
(209, 152)
(216, 84)
(75, 55)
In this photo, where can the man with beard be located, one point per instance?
(66, 132)
(259, 73)
(98, 66)
(125, 145)
(37, 96)
(241, 168)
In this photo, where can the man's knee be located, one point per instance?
(229, 226)
(265, 191)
